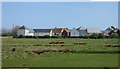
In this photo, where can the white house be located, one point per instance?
(78, 32)
(107, 31)
(25, 31)
(93, 30)
(82, 31)
(74, 33)
(42, 32)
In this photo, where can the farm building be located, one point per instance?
(93, 30)
(42, 32)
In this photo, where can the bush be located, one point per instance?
(100, 35)
(114, 35)
(20, 36)
(57, 37)
(86, 37)
(94, 36)
(46, 36)
(6, 34)
(36, 37)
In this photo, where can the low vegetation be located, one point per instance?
(24, 52)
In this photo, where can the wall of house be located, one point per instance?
(82, 33)
(24, 32)
(74, 33)
(41, 34)
(30, 34)
(51, 33)
(21, 32)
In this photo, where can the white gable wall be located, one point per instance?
(21, 32)
(24, 32)
(74, 33)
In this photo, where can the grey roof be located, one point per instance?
(23, 27)
(42, 30)
(108, 29)
(93, 30)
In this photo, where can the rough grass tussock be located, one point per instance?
(12, 49)
(41, 44)
(112, 45)
(39, 51)
(80, 43)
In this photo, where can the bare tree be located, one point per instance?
(5, 30)
(14, 30)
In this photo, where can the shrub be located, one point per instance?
(46, 36)
(114, 35)
(36, 37)
(94, 36)
(100, 35)
(7, 34)
(57, 36)
(20, 36)
(86, 37)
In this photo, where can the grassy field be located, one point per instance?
(93, 54)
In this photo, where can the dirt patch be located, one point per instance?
(80, 43)
(12, 49)
(39, 51)
(40, 44)
(56, 42)
(112, 45)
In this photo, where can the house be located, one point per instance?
(57, 31)
(78, 32)
(65, 32)
(25, 31)
(93, 30)
(82, 31)
(74, 33)
(42, 32)
(107, 31)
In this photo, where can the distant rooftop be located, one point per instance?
(23, 27)
(42, 30)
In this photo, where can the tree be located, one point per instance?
(113, 35)
(100, 35)
(94, 36)
(14, 30)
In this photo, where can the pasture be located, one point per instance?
(93, 53)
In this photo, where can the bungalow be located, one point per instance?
(93, 30)
(42, 32)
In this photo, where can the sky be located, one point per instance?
(45, 15)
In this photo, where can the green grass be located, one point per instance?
(101, 56)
